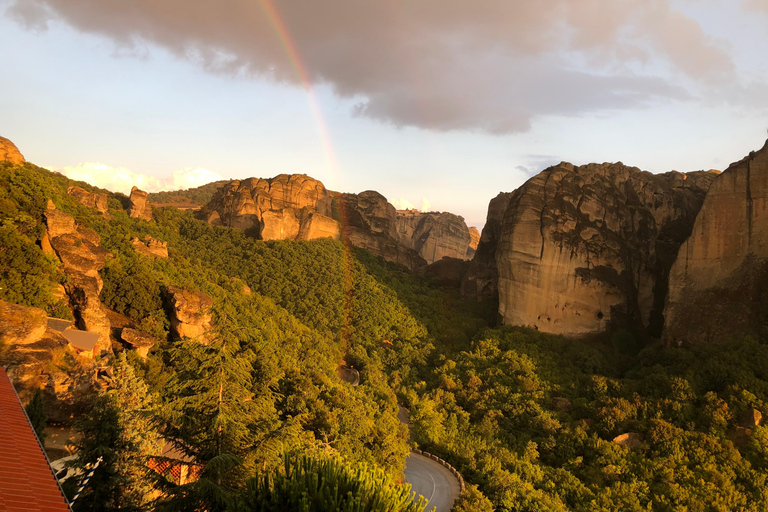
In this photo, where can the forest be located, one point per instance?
(533, 422)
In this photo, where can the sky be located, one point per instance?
(437, 104)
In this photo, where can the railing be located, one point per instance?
(443, 463)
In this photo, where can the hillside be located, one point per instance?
(230, 348)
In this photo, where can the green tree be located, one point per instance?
(118, 429)
(325, 484)
(36, 414)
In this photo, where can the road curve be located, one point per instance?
(429, 478)
(433, 481)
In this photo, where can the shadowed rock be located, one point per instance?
(717, 284)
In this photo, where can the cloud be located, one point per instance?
(120, 179)
(402, 204)
(491, 66)
(425, 204)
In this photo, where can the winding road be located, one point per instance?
(430, 479)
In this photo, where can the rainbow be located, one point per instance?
(276, 20)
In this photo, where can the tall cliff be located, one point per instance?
(298, 207)
(717, 286)
(577, 249)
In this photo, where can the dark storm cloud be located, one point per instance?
(489, 65)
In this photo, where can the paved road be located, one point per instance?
(429, 478)
(433, 481)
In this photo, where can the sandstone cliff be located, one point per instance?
(140, 207)
(434, 235)
(577, 249)
(190, 314)
(297, 207)
(9, 152)
(89, 199)
(717, 284)
(82, 257)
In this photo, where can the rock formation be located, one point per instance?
(150, 247)
(434, 235)
(717, 284)
(139, 341)
(482, 279)
(27, 348)
(89, 199)
(578, 249)
(191, 314)
(82, 257)
(140, 207)
(474, 239)
(297, 207)
(9, 152)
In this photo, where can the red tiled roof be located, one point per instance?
(26, 480)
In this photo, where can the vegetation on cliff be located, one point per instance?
(532, 421)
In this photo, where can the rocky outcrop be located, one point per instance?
(629, 439)
(474, 239)
(31, 350)
(297, 207)
(10, 153)
(89, 199)
(150, 247)
(140, 207)
(139, 341)
(434, 235)
(82, 257)
(580, 249)
(190, 314)
(717, 284)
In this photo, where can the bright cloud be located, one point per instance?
(120, 179)
(402, 204)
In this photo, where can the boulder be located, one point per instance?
(191, 314)
(579, 250)
(629, 439)
(10, 153)
(139, 341)
(716, 286)
(140, 207)
(750, 418)
(89, 199)
(21, 325)
(150, 247)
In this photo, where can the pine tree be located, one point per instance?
(36, 415)
(215, 416)
(119, 430)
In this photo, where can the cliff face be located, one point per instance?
(482, 278)
(578, 248)
(297, 207)
(716, 286)
(82, 257)
(9, 152)
(434, 235)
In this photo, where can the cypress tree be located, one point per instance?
(36, 415)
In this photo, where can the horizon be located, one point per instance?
(436, 109)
